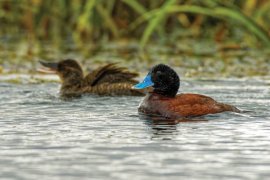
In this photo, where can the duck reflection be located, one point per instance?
(165, 128)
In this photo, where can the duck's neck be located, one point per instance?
(158, 95)
(72, 85)
(169, 93)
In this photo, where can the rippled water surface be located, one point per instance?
(44, 137)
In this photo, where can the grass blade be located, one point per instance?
(152, 25)
(136, 6)
(222, 12)
(108, 20)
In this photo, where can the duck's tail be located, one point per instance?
(227, 107)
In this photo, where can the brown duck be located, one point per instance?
(106, 80)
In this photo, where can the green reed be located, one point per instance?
(85, 21)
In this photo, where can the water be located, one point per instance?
(44, 137)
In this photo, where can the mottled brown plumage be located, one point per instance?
(110, 73)
(106, 80)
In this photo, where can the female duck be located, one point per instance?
(163, 101)
(106, 80)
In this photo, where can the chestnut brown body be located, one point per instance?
(182, 105)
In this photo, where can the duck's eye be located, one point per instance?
(160, 74)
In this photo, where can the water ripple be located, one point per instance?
(44, 137)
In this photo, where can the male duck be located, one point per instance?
(106, 80)
(163, 101)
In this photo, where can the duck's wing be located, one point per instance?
(198, 105)
(110, 73)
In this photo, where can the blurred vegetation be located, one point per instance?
(38, 28)
(83, 21)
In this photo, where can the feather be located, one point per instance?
(110, 74)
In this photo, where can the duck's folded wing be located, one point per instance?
(193, 105)
(110, 73)
(198, 105)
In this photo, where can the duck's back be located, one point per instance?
(110, 73)
(183, 105)
(111, 80)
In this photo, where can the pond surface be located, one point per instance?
(44, 137)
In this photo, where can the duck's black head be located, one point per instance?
(69, 71)
(163, 79)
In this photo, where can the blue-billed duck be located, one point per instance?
(106, 80)
(163, 100)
